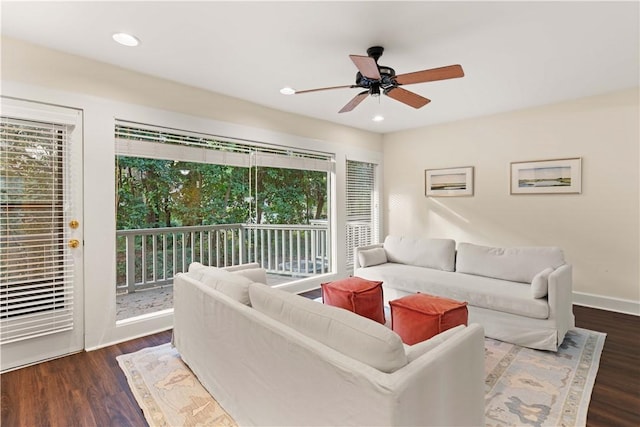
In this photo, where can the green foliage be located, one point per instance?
(155, 193)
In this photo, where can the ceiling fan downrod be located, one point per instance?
(375, 52)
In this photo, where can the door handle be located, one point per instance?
(74, 243)
(74, 224)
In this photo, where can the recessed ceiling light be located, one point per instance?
(126, 39)
(378, 118)
(287, 91)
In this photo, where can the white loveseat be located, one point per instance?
(519, 295)
(273, 358)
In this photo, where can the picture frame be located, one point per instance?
(449, 182)
(555, 176)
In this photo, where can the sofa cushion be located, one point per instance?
(355, 336)
(229, 283)
(369, 257)
(478, 291)
(431, 253)
(514, 264)
(196, 270)
(540, 284)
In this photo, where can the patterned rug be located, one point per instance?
(524, 387)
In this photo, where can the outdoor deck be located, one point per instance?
(151, 300)
(147, 259)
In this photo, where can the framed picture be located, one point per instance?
(449, 182)
(561, 176)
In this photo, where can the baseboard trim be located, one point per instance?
(618, 305)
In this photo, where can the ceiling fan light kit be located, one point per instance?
(379, 79)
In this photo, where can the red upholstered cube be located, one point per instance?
(361, 296)
(419, 317)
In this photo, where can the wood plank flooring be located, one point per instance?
(89, 389)
(83, 389)
(615, 400)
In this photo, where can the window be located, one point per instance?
(184, 197)
(362, 222)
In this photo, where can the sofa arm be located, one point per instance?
(445, 386)
(356, 261)
(560, 297)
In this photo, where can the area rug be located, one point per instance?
(523, 387)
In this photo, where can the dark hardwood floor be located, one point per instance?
(83, 389)
(89, 389)
(615, 400)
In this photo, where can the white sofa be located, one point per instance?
(519, 295)
(273, 358)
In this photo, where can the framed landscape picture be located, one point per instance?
(449, 182)
(561, 176)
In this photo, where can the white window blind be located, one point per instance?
(138, 140)
(36, 268)
(362, 207)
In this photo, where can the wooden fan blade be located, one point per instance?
(411, 99)
(323, 88)
(442, 73)
(354, 102)
(367, 66)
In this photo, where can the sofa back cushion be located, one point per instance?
(514, 264)
(253, 274)
(232, 284)
(432, 253)
(350, 334)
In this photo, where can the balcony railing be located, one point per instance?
(150, 257)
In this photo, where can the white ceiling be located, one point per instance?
(515, 54)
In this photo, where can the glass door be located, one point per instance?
(41, 289)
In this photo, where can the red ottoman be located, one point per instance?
(419, 317)
(361, 296)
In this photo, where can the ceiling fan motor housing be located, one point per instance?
(387, 74)
(387, 78)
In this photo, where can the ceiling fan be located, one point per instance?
(378, 79)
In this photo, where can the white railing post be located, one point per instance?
(154, 261)
(164, 257)
(131, 262)
(269, 251)
(241, 245)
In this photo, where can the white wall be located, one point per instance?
(105, 93)
(598, 229)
